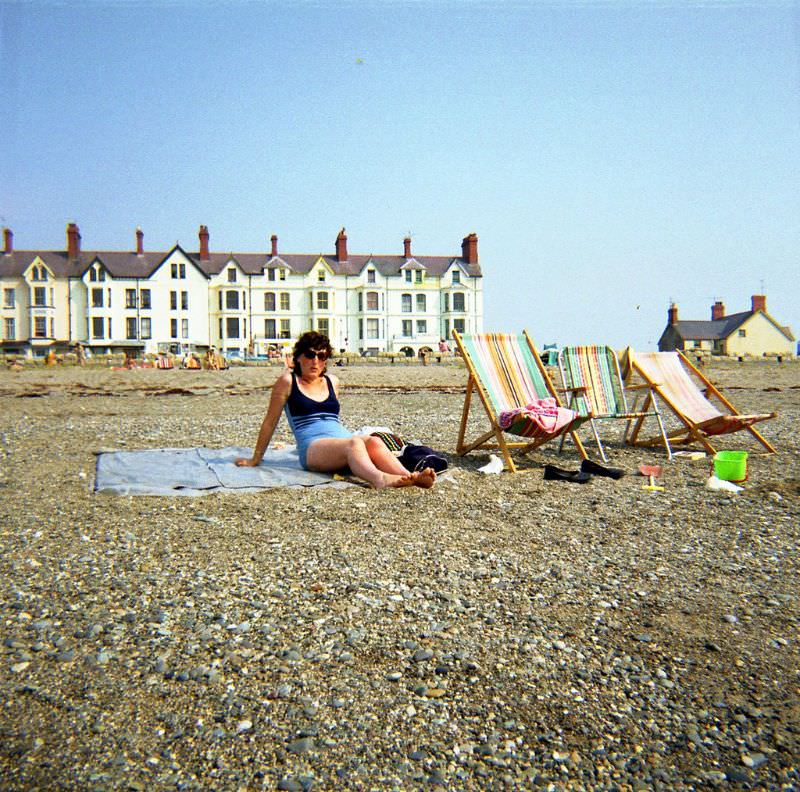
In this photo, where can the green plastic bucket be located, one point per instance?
(730, 465)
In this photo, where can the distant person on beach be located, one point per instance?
(444, 347)
(310, 399)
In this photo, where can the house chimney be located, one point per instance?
(73, 242)
(758, 302)
(717, 311)
(341, 246)
(672, 314)
(203, 234)
(469, 249)
(139, 242)
(407, 247)
(9, 239)
(274, 241)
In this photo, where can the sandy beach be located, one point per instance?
(496, 632)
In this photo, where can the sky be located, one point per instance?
(611, 156)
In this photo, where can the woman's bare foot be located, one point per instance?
(423, 478)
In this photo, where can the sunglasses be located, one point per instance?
(311, 355)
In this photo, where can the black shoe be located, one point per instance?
(553, 473)
(587, 466)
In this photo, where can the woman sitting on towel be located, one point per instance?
(309, 397)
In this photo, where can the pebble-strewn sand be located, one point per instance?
(496, 632)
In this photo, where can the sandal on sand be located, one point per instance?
(553, 473)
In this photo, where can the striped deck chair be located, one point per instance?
(688, 393)
(508, 374)
(593, 382)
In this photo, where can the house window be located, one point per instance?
(185, 300)
(130, 300)
(9, 298)
(458, 301)
(321, 275)
(284, 301)
(446, 333)
(405, 303)
(271, 274)
(409, 276)
(93, 274)
(232, 302)
(184, 328)
(323, 326)
(458, 325)
(231, 274)
(10, 329)
(360, 302)
(282, 274)
(173, 328)
(698, 344)
(371, 276)
(422, 326)
(220, 327)
(269, 302)
(406, 328)
(286, 328)
(144, 298)
(269, 328)
(372, 301)
(39, 327)
(232, 327)
(322, 301)
(178, 269)
(421, 303)
(144, 327)
(743, 334)
(418, 276)
(97, 299)
(97, 327)
(52, 328)
(39, 274)
(446, 304)
(456, 278)
(372, 328)
(108, 295)
(173, 301)
(360, 328)
(130, 327)
(40, 296)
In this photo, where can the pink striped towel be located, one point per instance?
(546, 413)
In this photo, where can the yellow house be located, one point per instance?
(752, 333)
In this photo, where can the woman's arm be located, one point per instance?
(280, 394)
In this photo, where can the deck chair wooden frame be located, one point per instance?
(691, 431)
(592, 379)
(496, 433)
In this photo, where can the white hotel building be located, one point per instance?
(241, 303)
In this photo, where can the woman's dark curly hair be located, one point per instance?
(307, 342)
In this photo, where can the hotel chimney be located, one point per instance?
(9, 240)
(469, 249)
(341, 246)
(274, 240)
(139, 242)
(758, 302)
(717, 311)
(73, 242)
(672, 314)
(203, 234)
(407, 247)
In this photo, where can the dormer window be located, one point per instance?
(409, 276)
(321, 275)
(178, 270)
(97, 273)
(282, 274)
(418, 276)
(39, 274)
(456, 276)
(371, 276)
(231, 274)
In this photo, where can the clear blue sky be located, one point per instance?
(610, 156)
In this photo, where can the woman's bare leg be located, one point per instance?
(329, 454)
(382, 457)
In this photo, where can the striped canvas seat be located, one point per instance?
(688, 393)
(595, 388)
(507, 374)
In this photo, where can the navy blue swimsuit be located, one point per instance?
(312, 420)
